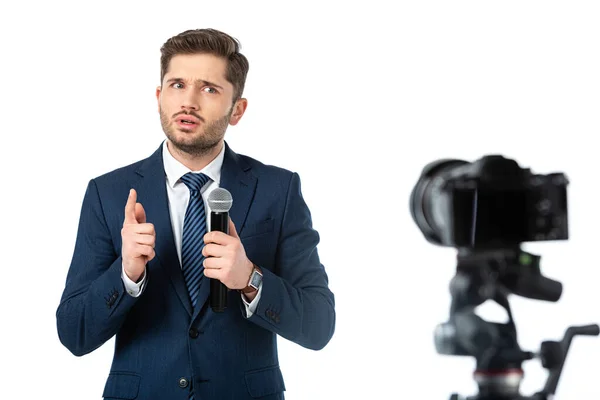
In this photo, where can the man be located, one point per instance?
(144, 255)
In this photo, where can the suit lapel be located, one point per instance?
(241, 183)
(156, 204)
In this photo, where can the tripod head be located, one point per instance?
(493, 275)
(486, 209)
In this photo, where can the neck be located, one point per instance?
(197, 161)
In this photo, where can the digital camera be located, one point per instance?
(490, 203)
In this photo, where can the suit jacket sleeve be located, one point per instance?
(296, 302)
(94, 303)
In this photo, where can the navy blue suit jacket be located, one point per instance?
(163, 347)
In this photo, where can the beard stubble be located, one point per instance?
(202, 143)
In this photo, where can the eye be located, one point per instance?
(177, 84)
(209, 89)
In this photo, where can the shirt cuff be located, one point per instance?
(134, 289)
(251, 307)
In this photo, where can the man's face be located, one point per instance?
(195, 103)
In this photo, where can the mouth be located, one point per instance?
(187, 121)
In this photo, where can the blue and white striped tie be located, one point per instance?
(194, 229)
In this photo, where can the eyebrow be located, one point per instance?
(200, 81)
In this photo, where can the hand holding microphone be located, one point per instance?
(138, 237)
(226, 263)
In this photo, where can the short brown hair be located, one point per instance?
(209, 41)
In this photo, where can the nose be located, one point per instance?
(190, 101)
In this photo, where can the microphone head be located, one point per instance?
(220, 200)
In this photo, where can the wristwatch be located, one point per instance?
(254, 282)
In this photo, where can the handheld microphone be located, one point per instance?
(219, 201)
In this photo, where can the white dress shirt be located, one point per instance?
(179, 195)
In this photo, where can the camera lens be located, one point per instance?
(425, 205)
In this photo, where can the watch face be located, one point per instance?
(256, 279)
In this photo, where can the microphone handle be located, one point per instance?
(219, 221)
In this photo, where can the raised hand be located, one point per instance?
(138, 238)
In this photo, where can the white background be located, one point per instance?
(355, 97)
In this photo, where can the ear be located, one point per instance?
(158, 92)
(238, 111)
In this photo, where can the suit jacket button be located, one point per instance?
(193, 333)
(183, 383)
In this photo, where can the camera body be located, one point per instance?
(491, 203)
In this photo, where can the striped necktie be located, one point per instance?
(194, 229)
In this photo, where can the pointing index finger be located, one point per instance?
(130, 207)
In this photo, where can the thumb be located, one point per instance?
(140, 214)
(232, 230)
(130, 208)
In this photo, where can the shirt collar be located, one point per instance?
(175, 170)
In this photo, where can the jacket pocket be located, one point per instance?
(259, 228)
(122, 385)
(264, 382)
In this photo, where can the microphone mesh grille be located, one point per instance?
(220, 200)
